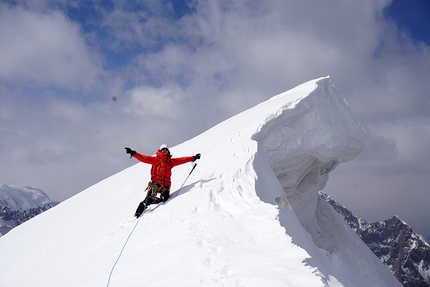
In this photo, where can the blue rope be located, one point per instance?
(119, 256)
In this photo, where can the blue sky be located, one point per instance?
(412, 16)
(79, 80)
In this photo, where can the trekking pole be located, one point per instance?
(179, 190)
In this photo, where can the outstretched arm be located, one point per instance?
(185, 159)
(140, 157)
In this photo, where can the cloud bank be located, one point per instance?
(79, 81)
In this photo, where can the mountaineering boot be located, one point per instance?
(140, 209)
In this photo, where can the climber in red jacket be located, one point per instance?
(161, 171)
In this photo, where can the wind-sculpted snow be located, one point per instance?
(304, 141)
(249, 215)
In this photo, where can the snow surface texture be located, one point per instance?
(249, 215)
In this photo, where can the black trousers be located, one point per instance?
(152, 199)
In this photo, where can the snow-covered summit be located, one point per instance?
(19, 204)
(249, 215)
(22, 198)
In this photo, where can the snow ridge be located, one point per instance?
(303, 142)
(249, 215)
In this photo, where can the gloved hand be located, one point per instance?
(130, 151)
(196, 157)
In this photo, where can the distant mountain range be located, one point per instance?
(19, 204)
(405, 252)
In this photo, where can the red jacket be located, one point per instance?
(162, 165)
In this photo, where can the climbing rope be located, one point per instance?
(123, 247)
(119, 256)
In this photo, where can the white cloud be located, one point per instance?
(411, 142)
(186, 75)
(44, 48)
(156, 102)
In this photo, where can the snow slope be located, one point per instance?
(249, 215)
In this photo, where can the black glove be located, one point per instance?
(130, 151)
(196, 157)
